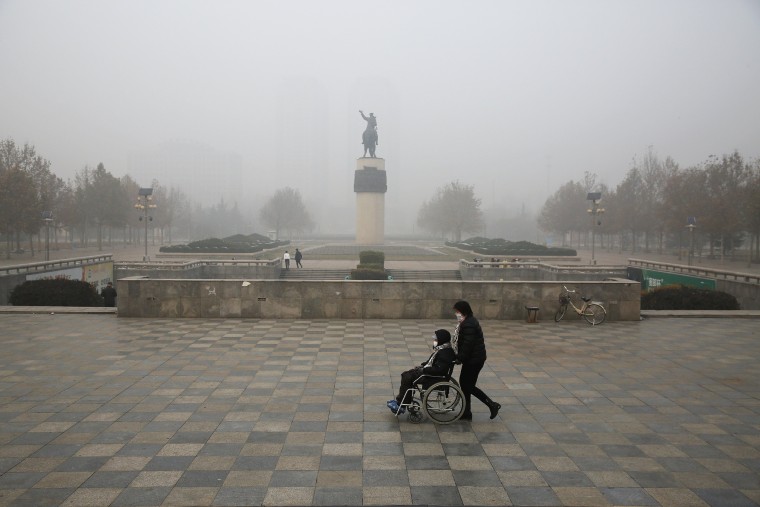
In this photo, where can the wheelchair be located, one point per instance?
(438, 397)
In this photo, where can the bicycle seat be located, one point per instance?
(586, 300)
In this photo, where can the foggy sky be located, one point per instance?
(514, 98)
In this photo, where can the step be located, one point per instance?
(396, 274)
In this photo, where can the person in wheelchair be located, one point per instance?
(438, 364)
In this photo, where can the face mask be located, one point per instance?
(459, 317)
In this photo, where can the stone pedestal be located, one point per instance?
(370, 185)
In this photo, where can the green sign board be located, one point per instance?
(652, 279)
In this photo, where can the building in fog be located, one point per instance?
(302, 142)
(205, 174)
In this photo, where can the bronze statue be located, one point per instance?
(369, 137)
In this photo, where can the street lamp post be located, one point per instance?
(144, 198)
(691, 224)
(47, 216)
(594, 211)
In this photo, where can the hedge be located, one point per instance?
(372, 257)
(680, 297)
(503, 247)
(55, 292)
(232, 244)
(368, 274)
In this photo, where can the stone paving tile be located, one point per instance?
(96, 410)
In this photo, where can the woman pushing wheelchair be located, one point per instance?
(447, 401)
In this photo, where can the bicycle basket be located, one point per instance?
(563, 299)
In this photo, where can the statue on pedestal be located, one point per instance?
(369, 137)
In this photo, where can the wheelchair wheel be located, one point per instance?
(415, 412)
(443, 402)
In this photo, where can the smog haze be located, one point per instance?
(236, 99)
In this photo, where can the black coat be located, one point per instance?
(109, 296)
(471, 346)
(442, 361)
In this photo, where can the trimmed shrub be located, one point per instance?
(237, 243)
(250, 239)
(55, 292)
(681, 297)
(368, 274)
(372, 257)
(499, 246)
(376, 267)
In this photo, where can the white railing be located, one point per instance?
(696, 271)
(36, 267)
(178, 265)
(535, 264)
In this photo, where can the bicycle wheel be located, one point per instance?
(594, 314)
(560, 313)
(444, 402)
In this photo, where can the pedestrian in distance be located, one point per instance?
(109, 295)
(299, 256)
(470, 347)
(286, 258)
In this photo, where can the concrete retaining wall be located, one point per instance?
(746, 293)
(522, 271)
(365, 299)
(745, 287)
(200, 269)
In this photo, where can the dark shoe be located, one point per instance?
(494, 409)
(466, 417)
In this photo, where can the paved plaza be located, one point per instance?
(98, 410)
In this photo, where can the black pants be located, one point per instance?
(468, 377)
(407, 380)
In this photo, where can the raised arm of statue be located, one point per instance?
(362, 113)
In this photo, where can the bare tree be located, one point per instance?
(18, 206)
(29, 173)
(285, 211)
(752, 210)
(454, 209)
(565, 211)
(726, 179)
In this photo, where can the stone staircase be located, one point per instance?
(397, 274)
(430, 274)
(314, 274)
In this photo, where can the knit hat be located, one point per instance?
(443, 336)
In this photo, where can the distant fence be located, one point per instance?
(538, 269)
(697, 271)
(95, 269)
(206, 268)
(745, 287)
(360, 299)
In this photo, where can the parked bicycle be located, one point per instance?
(592, 311)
